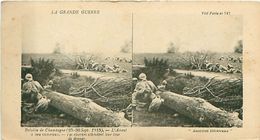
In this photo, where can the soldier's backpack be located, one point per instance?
(155, 104)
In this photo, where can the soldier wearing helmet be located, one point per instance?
(144, 90)
(31, 89)
(49, 85)
(31, 93)
(162, 86)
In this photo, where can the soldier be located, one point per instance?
(108, 68)
(97, 67)
(230, 69)
(134, 82)
(230, 58)
(94, 66)
(31, 93)
(116, 68)
(162, 86)
(49, 85)
(144, 90)
(222, 58)
(221, 68)
(31, 89)
(103, 67)
(214, 67)
(208, 65)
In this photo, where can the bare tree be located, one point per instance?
(197, 60)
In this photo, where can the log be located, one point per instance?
(86, 110)
(200, 110)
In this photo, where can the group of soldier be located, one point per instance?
(95, 66)
(216, 67)
(120, 59)
(232, 59)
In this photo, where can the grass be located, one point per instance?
(67, 61)
(177, 61)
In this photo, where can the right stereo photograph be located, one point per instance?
(187, 70)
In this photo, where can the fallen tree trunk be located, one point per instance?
(200, 110)
(86, 110)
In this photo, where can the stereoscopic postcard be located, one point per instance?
(130, 70)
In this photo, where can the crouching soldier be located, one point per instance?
(220, 68)
(162, 86)
(31, 90)
(31, 93)
(145, 92)
(49, 85)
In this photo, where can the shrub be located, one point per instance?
(196, 60)
(62, 85)
(155, 69)
(43, 70)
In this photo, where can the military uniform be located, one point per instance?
(31, 94)
(144, 92)
(31, 91)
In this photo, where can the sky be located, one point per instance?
(108, 31)
(105, 32)
(154, 32)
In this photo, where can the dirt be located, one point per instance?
(177, 60)
(218, 76)
(95, 74)
(52, 118)
(164, 117)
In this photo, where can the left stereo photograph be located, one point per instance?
(76, 68)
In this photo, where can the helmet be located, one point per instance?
(134, 79)
(164, 82)
(50, 82)
(229, 65)
(29, 77)
(142, 76)
(116, 66)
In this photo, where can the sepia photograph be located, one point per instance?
(187, 71)
(129, 70)
(76, 70)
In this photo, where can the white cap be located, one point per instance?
(29, 77)
(134, 79)
(142, 76)
(164, 82)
